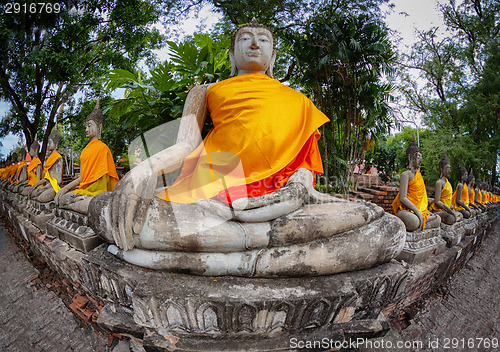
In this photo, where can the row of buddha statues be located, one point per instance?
(43, 182)
(244, 202)
(411, 203)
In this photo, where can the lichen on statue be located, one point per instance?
(411, 203)
(443, 193)
(244, 203)
(46, 189)
(97, 171)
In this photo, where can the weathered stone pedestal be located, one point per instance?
(470, 226)
(19, 202)
(195, 313)
(421, 245)
(72, 227)
(453, 234)
(39, 213)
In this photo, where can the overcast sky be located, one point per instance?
(407, 15)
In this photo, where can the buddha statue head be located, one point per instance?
(54, 140)
(22, 154)
(94, 123)
(444, 166)
(34, 148)
(13, 158)
(253, 49)
(414, 154)
(463, 174)
(471, 179)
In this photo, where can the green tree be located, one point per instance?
(341, 62)
(159, 98)
(48, 56)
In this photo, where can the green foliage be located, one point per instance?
(46, 57)
(151, 101)
(341, 61)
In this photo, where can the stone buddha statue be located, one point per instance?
(19, 174)
(460, 198)
(471, 180)
(98, 172)
(244, 202)
(21, 177)
(45, 190)
(479, 195)
(12, 170)
(410, 204)
(443, 193)
(34, 168)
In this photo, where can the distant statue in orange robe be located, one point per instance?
(473, 207)
(410, 204)
(443, 193)
(97, 170)
(460, 198)
(46, 189)
(21, 177)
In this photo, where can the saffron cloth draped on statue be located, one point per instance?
(263, 132)
(464, 198)
(98, 172)
(51, 160)
(472, 196)
(446, 194)
(32, 177)
(19, 168)
(417, 195)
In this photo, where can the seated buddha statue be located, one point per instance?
(410, 204)
(21, 177)
(244, 202)
(34, 168)
(97, 173)
(11, 170)
(45, 190)
(474, 208)
(460, 198)
(443, 193)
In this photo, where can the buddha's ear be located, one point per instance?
(271, 65)
(233, 63)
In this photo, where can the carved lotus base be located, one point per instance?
(421, 245)
(199, 313)
(72, 227)
(453, 234)
(39, 213)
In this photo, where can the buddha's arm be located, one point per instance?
(42, 182)
(23, 174)
(69, 187)
(299, 189)
(39, 171)
(135, 190)
(460, 189)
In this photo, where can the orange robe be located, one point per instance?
(51, 160)
(464, 197)
(446, 194)
(98, 172)
(263, 132)
(472, 196)
(19, 168)
(479, 196)
(32, 177)
(417, 195)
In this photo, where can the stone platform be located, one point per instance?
(422, 245)
(72, 227)
(169, 311)
(39, 213)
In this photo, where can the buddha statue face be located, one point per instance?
(446, 170)
(34, 148)
(463, 174)
(252, 49)
(92, 130)
(415, 160)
